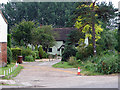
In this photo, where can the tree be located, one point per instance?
(86, 22)
(43, 36)
(46, 13)
(22, 32)
(89, 20)
(74, 36)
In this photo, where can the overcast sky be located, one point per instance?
(115, 2)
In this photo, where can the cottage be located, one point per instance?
(3, 40)
(60, 40)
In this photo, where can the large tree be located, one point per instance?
(22, 32)
(46, 13)
(43, 35)
(89, 20)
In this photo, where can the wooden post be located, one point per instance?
(4, 72)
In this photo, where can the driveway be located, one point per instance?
(43, 75)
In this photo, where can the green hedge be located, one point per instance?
(9, 55)
(9, 40)
(29, 58)
(15, 53)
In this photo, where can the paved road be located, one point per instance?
(43, 75)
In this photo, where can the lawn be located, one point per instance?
(12, 74)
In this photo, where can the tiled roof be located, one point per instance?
(62, 33)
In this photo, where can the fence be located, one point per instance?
(9, 71)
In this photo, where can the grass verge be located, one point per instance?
(84, 70)
(12, 74)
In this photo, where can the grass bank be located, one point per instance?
(12, 74)
(104, 64)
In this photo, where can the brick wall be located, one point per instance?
(3, 53)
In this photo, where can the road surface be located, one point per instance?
(43, 75)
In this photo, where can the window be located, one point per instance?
(50, 50)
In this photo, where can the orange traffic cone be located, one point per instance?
(16, 64)
(78, 71)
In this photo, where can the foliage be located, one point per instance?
(108, 40)
(28, 52)
(41, 52)
(74, 36)
(9, 55)
(87, 29)
(85, 52)
(63, 65)
(106, 63)
(45, 55)
(43, 36)
(36, 54)
(9, 40)
(15, 53)
(118, 37)
(22, 31)
(68, 52)
(46, 13)
(36, 48)
(72, 61)
(29, 58)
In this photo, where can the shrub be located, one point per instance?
(45, 55)
(15, 53)
(85, 52)
(108, 64)
(36, 48)
(36, 54)
(9, 55)
(9, 40)
(29, 58)
(68, 52)
(72, 61)
(26, 52)
(41, 52)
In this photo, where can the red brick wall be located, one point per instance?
(3, 53)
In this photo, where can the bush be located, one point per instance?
(15, 53)
(9, 40)
(106, 63)
(68, 52)
(85, 52)
(29, 58)
(72, 61)
(41, 52)
(26, 52)
(45, 55)
(36, 54)
(9, 55)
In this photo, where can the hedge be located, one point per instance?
(15, 53)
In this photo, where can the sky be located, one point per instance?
(115, 2)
